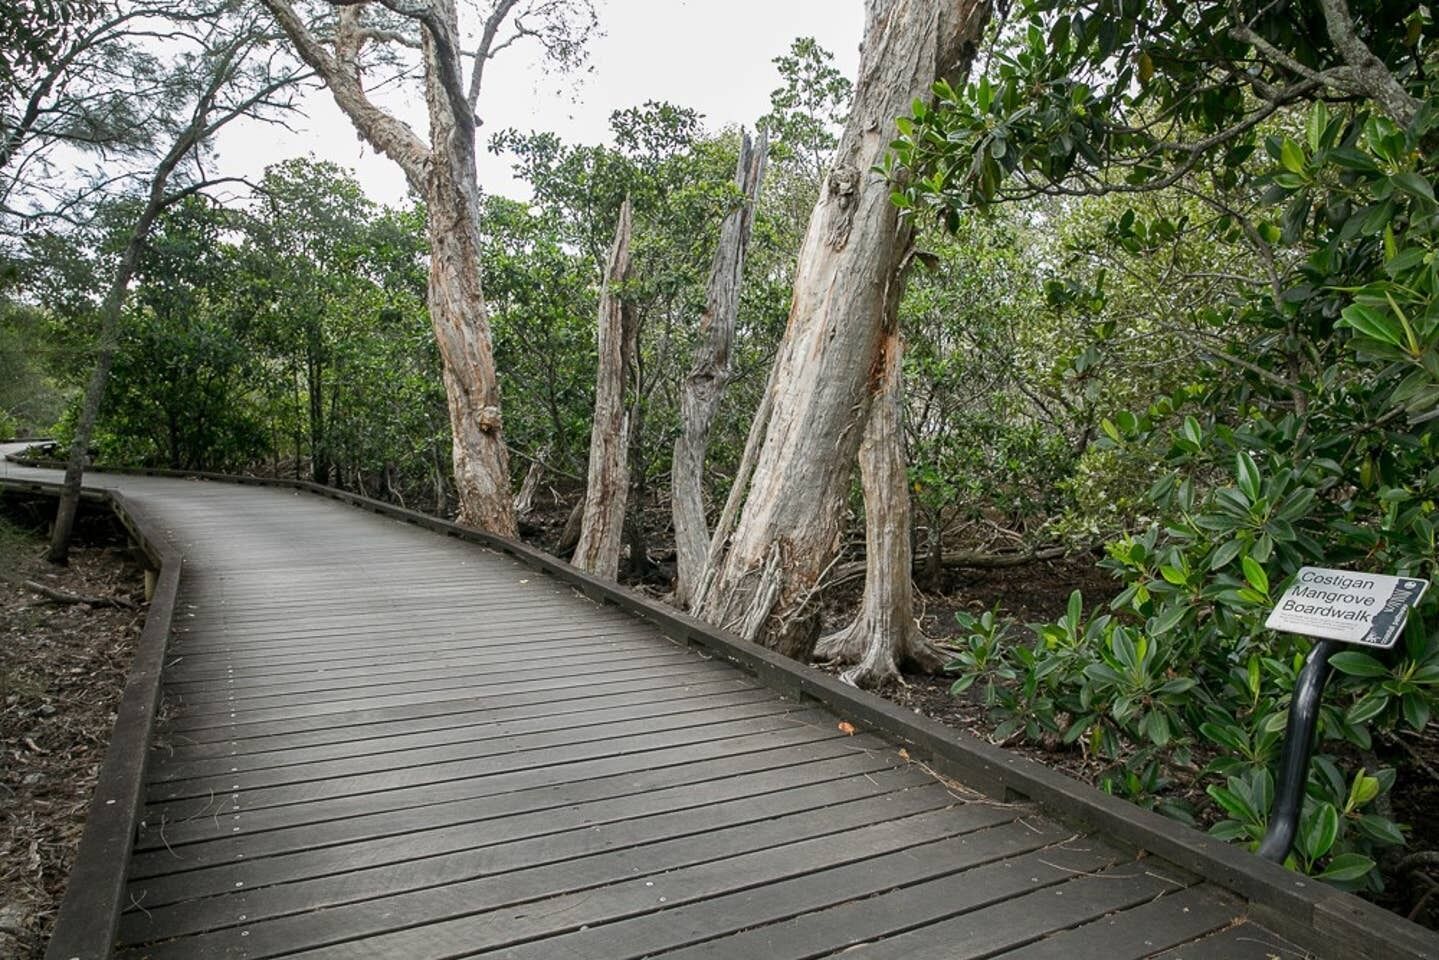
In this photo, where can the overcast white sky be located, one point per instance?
(710, 55)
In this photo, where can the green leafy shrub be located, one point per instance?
(1305, 429)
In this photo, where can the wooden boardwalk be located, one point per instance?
(380, 742)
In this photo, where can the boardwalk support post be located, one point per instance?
(1298, 744)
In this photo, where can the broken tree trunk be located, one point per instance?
(607, 486)
(884, 636)
(570, 532)
(525, 499)
(846, 280)
(710, 374)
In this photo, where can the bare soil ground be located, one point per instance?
(62, 667)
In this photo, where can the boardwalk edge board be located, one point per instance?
(1309, 913)
(89, 914)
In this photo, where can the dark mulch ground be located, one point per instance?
(62, 667)
(1415, 796)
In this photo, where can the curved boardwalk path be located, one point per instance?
(384, 743)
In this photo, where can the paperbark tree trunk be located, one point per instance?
(607, 485)
(884, 636)
(457, 303)
(710, 374)
(846, 280)
(444, 173)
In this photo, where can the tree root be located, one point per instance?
(61, 596)
(877, 655)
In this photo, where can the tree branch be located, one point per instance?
(487, 49)
(388, 135)
(444, 57)
(378, 35)
(1369, 71)
(55, 595)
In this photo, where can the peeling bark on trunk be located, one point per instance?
(710, 374)
(884, 636)
(846, 283)
(444, 173)
(458, 314)
(607, 484)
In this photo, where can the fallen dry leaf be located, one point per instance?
(846, 728)
(904, 754)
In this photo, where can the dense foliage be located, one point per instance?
(290, 335)
(32, 36)
(1306, 433)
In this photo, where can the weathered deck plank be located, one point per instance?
(385, 743)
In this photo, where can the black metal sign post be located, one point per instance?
(1298, 745)
(1338, 607)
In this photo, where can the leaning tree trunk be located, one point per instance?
(710, 374)
(201, 124)
(109, 341)
(884, 636)
(607, 486)
(724, 524)
(846, 280)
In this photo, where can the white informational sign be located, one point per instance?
(1363, 608)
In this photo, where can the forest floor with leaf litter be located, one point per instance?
(62, 669)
